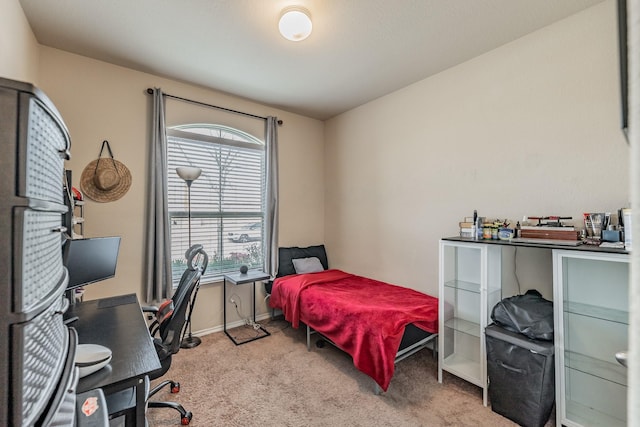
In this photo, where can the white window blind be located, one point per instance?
(227, 200)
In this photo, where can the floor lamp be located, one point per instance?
(189, 174)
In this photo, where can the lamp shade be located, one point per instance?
(295, 24)
(188, 173)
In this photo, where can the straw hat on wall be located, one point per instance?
(105, 179)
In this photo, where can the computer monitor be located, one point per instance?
(90, 260)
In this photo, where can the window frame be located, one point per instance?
(231, 138)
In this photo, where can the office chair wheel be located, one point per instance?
(175, 387)
(186, 419)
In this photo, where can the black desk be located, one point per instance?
(117, 323)
(531, 243)
(239, 279)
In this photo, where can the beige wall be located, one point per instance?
(531, 128)
(101, 101)
(18, 45)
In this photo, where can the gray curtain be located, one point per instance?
(271, 217)
(158, 283)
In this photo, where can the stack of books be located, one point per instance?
(466, 228)
(547, 232)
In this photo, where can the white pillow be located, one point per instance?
(307, 265)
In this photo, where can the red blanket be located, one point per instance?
(363, 317)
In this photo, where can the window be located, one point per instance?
(227, 200)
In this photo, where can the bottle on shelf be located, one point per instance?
(474, 227)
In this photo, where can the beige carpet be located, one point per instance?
(274, 381)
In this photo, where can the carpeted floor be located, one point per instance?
(274, 381)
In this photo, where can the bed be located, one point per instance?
(376, 323)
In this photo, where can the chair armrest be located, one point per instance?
(150, 312)
(149, 309)
(158, 314)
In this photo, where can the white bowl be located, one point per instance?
(91, 358)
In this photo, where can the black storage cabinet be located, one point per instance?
(521, 376)
(37, 350)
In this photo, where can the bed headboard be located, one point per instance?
(285, 255)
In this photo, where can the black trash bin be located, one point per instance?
(521, 376)
(527, 314)
(520, 363)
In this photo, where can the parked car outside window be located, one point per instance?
(248, 233)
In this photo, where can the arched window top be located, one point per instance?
(218, 131)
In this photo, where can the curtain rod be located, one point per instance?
(150, 92)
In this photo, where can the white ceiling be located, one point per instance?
(359, 49)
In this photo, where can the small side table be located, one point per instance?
(240, 279)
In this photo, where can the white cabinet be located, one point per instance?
(470, 286)
(77, 231)
(591, 324)
(74, 218)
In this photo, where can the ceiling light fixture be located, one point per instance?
(295, 23)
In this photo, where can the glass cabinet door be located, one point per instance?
(592, 318)
(469, 281)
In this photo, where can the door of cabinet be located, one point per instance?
(470, 285)
(592, 320)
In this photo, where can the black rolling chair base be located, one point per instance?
(185, 416)
(190, 342)
(175, 387)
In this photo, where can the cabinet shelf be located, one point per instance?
(464, 326)
(609, 371)
(464, 368)
(602, 313)
(463, 285)
(589, 416)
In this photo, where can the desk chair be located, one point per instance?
(169, 323)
